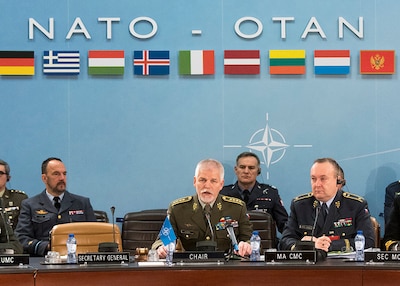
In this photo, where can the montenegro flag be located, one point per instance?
(377, 62)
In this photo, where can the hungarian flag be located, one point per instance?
(196, 62)
(17, 63)
(106, 62)
(332, 61)
(151, 62)
(287, 61)
(377, 61)
(242, 62)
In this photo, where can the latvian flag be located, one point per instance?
(196, 62)
(242, 62)
(17, 63)
(106, 62)
(377, 62)
(287, 61)
(151, 62)
(332, 61)
(61, 62)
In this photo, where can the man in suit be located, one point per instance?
(257, 196)
(55, 205)
(391, 239)
(340, 214)
(188, 214)
(11, 199)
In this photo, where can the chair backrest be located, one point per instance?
(101, 216)
(140, 229)
(88, 236)
(377, 231)
(265, 224)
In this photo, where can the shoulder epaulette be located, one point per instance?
(17, 191)
(181, 200)
(303, 196)
(355, 197)
(233, 200)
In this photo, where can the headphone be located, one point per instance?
(8, 177)
(259, 171)
(341, 182)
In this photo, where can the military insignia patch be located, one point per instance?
(41, 212)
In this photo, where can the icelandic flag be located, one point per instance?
(151, 62)
(332, 61)
(167, 234)
(61, 62)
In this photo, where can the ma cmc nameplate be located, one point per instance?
(199, 256)
(302, 256)
(13, 259)
(382, 256)
(103, 258)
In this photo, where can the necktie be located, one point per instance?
(246, 195)
(57, 203)
(207, 210)
(324, 211)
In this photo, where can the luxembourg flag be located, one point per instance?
(332, 61)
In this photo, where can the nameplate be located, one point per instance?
(302, 256)
(103, 258)
(198, 256)
(13, 259)
(382, 256)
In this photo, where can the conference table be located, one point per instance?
(328, 272)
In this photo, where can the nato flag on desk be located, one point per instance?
(61, 62)
(167, 234)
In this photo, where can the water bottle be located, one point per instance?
(255, 242)
(71, 248)
(359, 242)
(170, 253)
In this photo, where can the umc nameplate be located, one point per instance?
(382, 256)
(306, 256)
(199, 256)
(103, 258)
(14, 259)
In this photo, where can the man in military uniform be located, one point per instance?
(188, 215)
(391, 239)
(256, 196)
(55, 205)
(11, 199)
(340, 214)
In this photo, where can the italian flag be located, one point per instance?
(196, 62)
(106, 62)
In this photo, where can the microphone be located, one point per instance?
(228, 224)
(207, 245)
(110, 246)
(5, 248)
(229, 229)
(317, 212)
(3, 210)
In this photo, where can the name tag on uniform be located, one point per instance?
(302, 256)
(198, 256)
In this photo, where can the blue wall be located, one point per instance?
(133, 142)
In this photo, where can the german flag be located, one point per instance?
(17, 63)
(377, 62)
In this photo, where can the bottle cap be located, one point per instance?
(255, 232)
(71, 235)
(359, 232)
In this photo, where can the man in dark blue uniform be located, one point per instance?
(53, 206)
(391, 239)
(340, 214)
(256, 196)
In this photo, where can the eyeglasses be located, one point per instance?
(2, 173)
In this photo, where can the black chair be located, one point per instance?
(266, 227)
(101, 216)
(140, 229)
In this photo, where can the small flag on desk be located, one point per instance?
(167, 234)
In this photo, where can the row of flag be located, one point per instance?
(197, 62)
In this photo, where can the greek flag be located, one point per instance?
(61, 62)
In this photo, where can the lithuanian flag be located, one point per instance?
(287, 61)
(17, 63)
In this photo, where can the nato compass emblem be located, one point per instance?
(269, 144)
